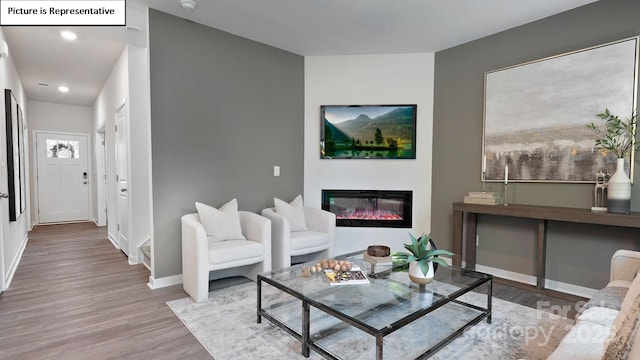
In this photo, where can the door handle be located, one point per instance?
(123, 190)
(4, 195)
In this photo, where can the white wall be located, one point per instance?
(113, 93)
(361, 80)
(140, 147)
(129, 82)
(58, 118)
(14, 233)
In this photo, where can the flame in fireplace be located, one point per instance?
(369, 215)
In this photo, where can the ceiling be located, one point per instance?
(304, 27)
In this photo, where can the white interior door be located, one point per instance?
(63, 177)
(122, 176)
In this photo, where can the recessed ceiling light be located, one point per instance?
(188, 5)
(63, 89)
(68, 35)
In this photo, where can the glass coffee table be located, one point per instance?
(338, 321)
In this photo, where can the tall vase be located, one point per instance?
(619, 190)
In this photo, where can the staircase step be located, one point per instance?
(146, 250)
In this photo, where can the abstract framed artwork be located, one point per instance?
(536, 114)
(13, 154)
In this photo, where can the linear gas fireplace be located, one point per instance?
(371, 208)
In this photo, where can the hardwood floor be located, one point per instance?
(74, 296)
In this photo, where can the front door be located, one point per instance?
(63, 177)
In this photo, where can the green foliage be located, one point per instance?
(378, 136)
(330, 146)
(392, 143)
(328, 135)
(618, 136)
(420, 251)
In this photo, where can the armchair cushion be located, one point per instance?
(304, 240)
(232, 250)
(221, 224)
(293, 212)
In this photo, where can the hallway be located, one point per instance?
(74, 296)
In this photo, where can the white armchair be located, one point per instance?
(289, 247)
(204, 260)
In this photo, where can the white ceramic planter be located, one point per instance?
(417, 276)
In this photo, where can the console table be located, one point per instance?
(540, 213)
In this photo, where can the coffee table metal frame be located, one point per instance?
(307, 303)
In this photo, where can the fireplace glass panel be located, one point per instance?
(371, 208)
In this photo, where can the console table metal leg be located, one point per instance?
(305, 328)
(457, 238)
(379, 343)
(471, 224)
(541, 254)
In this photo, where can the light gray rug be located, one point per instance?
(226, 326)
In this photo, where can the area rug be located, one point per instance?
(226, 326)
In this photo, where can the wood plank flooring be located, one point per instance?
(74, 296)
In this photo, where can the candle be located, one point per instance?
(484, 163)
(506, 174)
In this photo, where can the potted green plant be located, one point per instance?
(422, 254)
(617, 137)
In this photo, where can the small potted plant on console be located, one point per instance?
(618, 138)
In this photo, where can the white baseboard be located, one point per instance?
(531, 280)
(509, 275)
(164, 282)
(113, 240)
(14, 264)
(570, 288)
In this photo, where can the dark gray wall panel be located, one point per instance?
(577, 254)
(224, 111)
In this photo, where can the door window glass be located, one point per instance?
(63, 149)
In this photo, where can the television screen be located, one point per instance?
(368, 131)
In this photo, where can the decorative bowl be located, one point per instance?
(378, 251)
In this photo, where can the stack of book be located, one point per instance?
(485, 198)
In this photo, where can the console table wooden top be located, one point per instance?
(553, 213)
(540, 213)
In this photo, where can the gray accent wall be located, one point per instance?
(577, 254)
(224, 111)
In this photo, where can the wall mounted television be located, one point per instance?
(368, 131)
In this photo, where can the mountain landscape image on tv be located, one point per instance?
(368, 131)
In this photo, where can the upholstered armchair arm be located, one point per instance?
(280, 239)
(319, 220)
(624, 265)
(257, 228)
(322, 221)
(195, 258)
